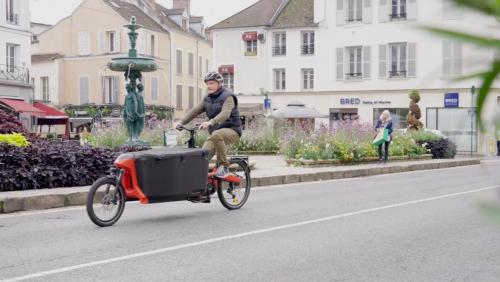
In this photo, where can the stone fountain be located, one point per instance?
(133, 66)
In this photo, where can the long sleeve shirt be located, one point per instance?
(227, 107)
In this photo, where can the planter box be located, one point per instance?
(325, 163)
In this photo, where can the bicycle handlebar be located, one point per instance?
(182, 127)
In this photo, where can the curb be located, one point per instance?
(58, 200)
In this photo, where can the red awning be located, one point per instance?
(20, 106)
(49, 112)
(226, 69)
(249, 36)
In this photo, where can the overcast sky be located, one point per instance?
(51, 11)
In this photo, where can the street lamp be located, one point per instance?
(472, 111)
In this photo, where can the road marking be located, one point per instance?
(240, 235)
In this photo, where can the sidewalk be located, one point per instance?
(269, 170)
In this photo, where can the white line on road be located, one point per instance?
(239, 235)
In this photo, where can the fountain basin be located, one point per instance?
(136, 64)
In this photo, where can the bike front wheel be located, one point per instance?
(234, 194)
(105, 202)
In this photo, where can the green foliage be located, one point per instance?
(116, 136)
(257, 140)
(424, 136)
(415, 96)
(405, 145)
(15, 139)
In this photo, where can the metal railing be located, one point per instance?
(401, 16)
(308, 49)
(14, 73)
(353, 20)
(401, 73)
(12, 18)
(279, 51)
(354, 75)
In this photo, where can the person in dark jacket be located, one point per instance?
(224, 125)
(384, 122)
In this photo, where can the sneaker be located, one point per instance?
(222, 172)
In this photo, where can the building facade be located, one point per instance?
(15, 50)
(70, 60)
(352, 59)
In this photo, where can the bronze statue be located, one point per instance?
(133, 113)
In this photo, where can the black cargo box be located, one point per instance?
(171, 174)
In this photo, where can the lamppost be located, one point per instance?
(472, 116)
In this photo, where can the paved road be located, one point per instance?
(418, 226)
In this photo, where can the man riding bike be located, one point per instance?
(224, 125)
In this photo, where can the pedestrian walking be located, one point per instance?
(384, 123)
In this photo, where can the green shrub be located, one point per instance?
(15, 139)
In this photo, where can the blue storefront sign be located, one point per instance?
(451, 100)
(267, 104)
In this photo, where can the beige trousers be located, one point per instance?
(216, 144)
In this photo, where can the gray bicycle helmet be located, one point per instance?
(215, 76)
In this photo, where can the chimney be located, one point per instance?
(183, 4)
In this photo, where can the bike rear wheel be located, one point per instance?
(105, 202)
(233, 196)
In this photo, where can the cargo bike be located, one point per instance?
(167, 175)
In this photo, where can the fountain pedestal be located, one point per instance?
(133, 66)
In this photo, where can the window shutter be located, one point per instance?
(83, 43)
(191, 97)
(412, 10)
(367, 11)
(457, 58)
(179, 97)
(116, 89)
(101, 42)
(154, 88)
(191, 63)
(179, 61)
(382, 57)
(412, 59)
(84, 90)
(366, 62)
(340, 13)
(340, 63)
(117, 41)
(446, 58)
(383, 11)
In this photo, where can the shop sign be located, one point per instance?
(451, 100)
(358, 101)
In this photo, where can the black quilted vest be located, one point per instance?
(213, 106)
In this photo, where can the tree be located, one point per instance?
(414, 113)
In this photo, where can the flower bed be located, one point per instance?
(33, 163)
(346, 143)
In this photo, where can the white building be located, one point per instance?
(15, 55)
(355, 58)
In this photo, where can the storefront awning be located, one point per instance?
(49, 112)
(20, 106)
(296, 110)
